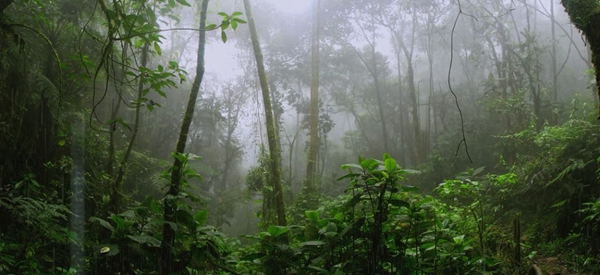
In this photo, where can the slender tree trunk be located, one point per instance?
(311, 169)
(167, 260)
(428, 140)
(554, 67)
(115, 199)
(412, 92)
(272, 135)
(113, 116)
(402, 112)
(379, 101)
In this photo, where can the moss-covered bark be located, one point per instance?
(585, 15)
(272, 134)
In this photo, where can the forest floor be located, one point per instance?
(552, 265)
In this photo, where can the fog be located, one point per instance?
(481, 104)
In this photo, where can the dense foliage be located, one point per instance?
(474, 124)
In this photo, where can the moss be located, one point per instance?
(581, 11)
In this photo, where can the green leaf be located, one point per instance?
(478, 171)
(276, 230)
(236, 13)
(224, 25)
(103, 223)
(386, 156)
(331, 227)
(351, 165)
(211, 27)
(149, 240)
(201, 216)
(174, 17)
(157, 48)
(62, 142)
(313, 216)
(239, 20)
(369, 164)
(400, 203)
(390, 164)
(223, 36)
(252, 257)
(234, 25)
(183, 2)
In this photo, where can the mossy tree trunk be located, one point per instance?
(585, 15)
(167, 259)
(272, 135)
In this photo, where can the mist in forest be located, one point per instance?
(247, 137)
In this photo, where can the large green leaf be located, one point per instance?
(276, 231)
(391, 165)
(103, 223)
(369, 164)
(313, 216)
(144, 239)
(201, 216)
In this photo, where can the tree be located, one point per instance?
(272, 136)
(167, 260)
(314, 104)
(585, 14)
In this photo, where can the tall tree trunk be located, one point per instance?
(402, 111)
(554, 104)
(311, 169)
(167, 261)
(115, 196)
(585, 15)
(272, 135)
(114, 113)
(379, 100)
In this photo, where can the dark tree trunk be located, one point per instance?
(585, 15)
(168, 262)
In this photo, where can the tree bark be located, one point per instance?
(585, 15)
(167, 261)
(3, 5)
(272, 135)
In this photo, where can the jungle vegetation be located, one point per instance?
(299, 137)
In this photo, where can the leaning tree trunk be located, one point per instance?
(311, 170)
(270, 120)
(585, 15)
(167, 261)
